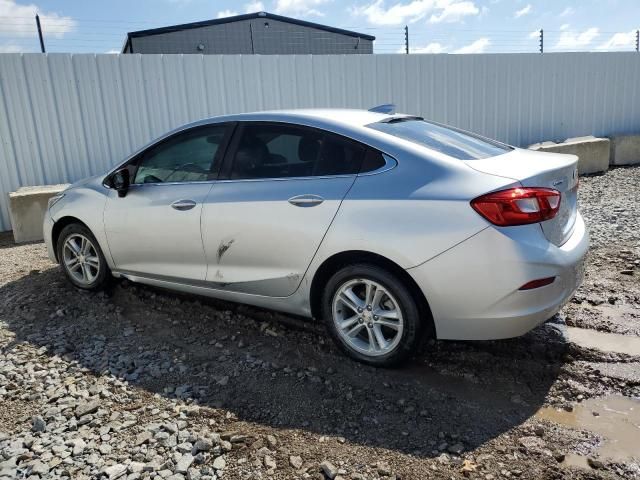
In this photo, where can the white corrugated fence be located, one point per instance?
(64, 117)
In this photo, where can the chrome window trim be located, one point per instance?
(159, 184)
(284, 179)
(162, 183)
(390, 163)
(277, 179)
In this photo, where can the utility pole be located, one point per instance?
(541, 41)
(40, 33)
(406, 39)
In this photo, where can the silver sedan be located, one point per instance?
(386, 227)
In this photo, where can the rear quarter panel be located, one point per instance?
(410, 213)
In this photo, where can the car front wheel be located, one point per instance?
(371, 315)
(81, 258)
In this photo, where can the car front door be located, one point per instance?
(155, 229)
(279, 191)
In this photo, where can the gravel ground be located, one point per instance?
(141, 383)
(609, 300)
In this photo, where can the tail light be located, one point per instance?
(518, 206)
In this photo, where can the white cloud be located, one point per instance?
(252, 7)
(534, 34)
(53, 24)
(378, 13)
(619, 41)
(400, 13)
(226, 13)
(455, 12)
(11, 48)
(300, 7)
(479, 46)
(434, 47)
(567, 12)
(523, 11)
(113, 50)
(569, 40)
(564, 26)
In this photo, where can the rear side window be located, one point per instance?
(373, 160)
(281, 151)
(450, 141)
(339, 156)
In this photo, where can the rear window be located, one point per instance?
(452, 142)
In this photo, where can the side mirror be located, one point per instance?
(120, 181)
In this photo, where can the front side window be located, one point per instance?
(455, 143)
(185, 157)
(281, 151)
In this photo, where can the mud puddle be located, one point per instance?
(615, 418)
(605, 342)
(619, 318)
(576, 461)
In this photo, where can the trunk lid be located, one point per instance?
(539, 169)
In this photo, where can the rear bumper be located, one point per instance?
(473, 288)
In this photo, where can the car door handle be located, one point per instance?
(183, 205)
(306, 200)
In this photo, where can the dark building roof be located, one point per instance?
(236, 18)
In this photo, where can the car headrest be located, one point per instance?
(251, 155)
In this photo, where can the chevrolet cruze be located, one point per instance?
(386, 227)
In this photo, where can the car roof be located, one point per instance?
(346, 116)
(336, 116)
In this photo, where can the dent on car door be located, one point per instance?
(155, 229)
(264, 220)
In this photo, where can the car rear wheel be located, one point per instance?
(81, 258)
(371, 315)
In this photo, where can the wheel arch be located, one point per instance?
(57, 229)
(338, 260)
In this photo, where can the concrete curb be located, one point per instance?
(27, 208)
(625, 149)
(593, 153)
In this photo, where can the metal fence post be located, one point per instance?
(406, 39)
(40, 33)
(637, 40)
(541, 41)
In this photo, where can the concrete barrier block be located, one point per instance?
(593, 153)
(625, 149)
(27, 207)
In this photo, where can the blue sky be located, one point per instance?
(435, 26)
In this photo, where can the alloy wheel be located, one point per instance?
(368, 317)
(81, 259)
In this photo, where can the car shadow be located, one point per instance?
(6, 241)
(281, 371)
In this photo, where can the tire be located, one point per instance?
(84, 265)
(359, 336)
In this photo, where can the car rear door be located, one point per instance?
(155, 229)
(265, 218)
